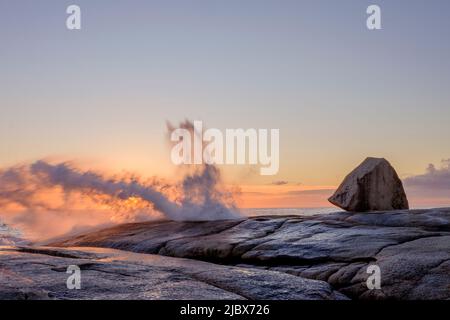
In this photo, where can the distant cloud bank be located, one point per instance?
(433, 178)
(279, 183)
(431, 188)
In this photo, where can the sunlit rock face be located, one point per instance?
(372, 186)
(411, 247)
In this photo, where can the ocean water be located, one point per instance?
(288, 211)
(10, 236)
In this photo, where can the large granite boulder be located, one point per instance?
(372, 186)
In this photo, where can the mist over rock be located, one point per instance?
(372, 186)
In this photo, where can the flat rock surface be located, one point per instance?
(40, 273)
(411, 247)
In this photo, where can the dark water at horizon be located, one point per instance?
(288, 211)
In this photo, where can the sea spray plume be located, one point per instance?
(18, 186)
(89, 182)
(31, 204)
(203, 197)
(46, 198)
(200, 200)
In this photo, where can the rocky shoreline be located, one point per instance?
(276, 257)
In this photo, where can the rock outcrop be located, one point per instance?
(40, 273)
(411, 247)
(276, 257)
(372, 186)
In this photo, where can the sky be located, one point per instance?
(337, 91)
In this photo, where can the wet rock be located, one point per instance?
(414, 270)
(372, 186)
(40, 273)
(410, 247)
